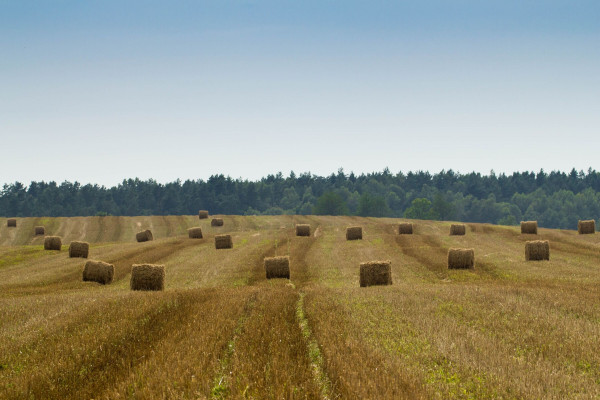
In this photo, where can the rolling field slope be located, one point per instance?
(506, 329)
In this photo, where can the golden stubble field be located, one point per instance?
(508, 329)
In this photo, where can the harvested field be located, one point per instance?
(507, 328)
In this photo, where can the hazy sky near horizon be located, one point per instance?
(98, 91)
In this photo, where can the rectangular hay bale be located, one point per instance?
(537, 250)
(354, 233)
(79, 249)
(586, 227)
(202, 214)
(11, 223)
(375, 273)
(195, 233)
(147, 277)
(461, 258)
(457, 229)
(405, 228)
(216, 222)
(277, 267)
(144, 236)
(52, 243)
(98, 271)
(302, 230)
(39, 230)
(223, 242)
(529, 227)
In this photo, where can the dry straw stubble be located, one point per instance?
(354, 233)
(98, 271)
(216, 222)
(461, 258)
(537, 250)
(195, 233)
(529, 227)
(79, 249)
(144, 236)
(52, 243)
(375, 273)
(302, 230)
(405, 228)
(223, 242)
(586, 227)
(457, 229)
(277, 267)
(147, 277)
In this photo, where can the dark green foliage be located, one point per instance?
(555, 199)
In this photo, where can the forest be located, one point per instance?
(556, 199)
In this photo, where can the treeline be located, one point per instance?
(555, 199)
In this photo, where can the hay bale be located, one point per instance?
(203, 214)
(461, 258)
(79, 249)
(98, 271)
(277, 267)
(536, 250)
(375, 273)
(11, 223)
(195, 233)
(302, 230)
(216, 222)
(405, 228)
(144, 236)
(586, 227)
(40, 230)
(457, 229)
(52, 243)
(529, 227)
(147, 277)
(354, 233)
(223, 242)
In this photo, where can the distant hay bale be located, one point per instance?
(586, 227)
(302, 230)
(461, 258)
(405, 228)
(203, 214)
(529, 227)
(40, 230)
(98, 271)
(195, 233)
(79, 249)
(52, 243)
(11, 223)
(375, 273)
(457, 229)
(277, 267)
(536, 250)
(144, 236)
(353, 233)
(216, 222)
(147, 277)
(223, 242)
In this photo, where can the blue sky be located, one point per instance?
(99, 91)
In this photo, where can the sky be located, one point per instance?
(98, 91)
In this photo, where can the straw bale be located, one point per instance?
(586, 227)
(529, 227)
(277, 267)
(203, 214)
(405, 228)
(195, 233)
(223, 242)
(457, 229)
(79, 249)
(98, 271)
(216, 222)
(144, 236)
(537, 250)
(353, 233)
(375, 273)
(302, 230)
(40, 230)
(52, 243)
(11, 223)
(147, 277)
(461, 258)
